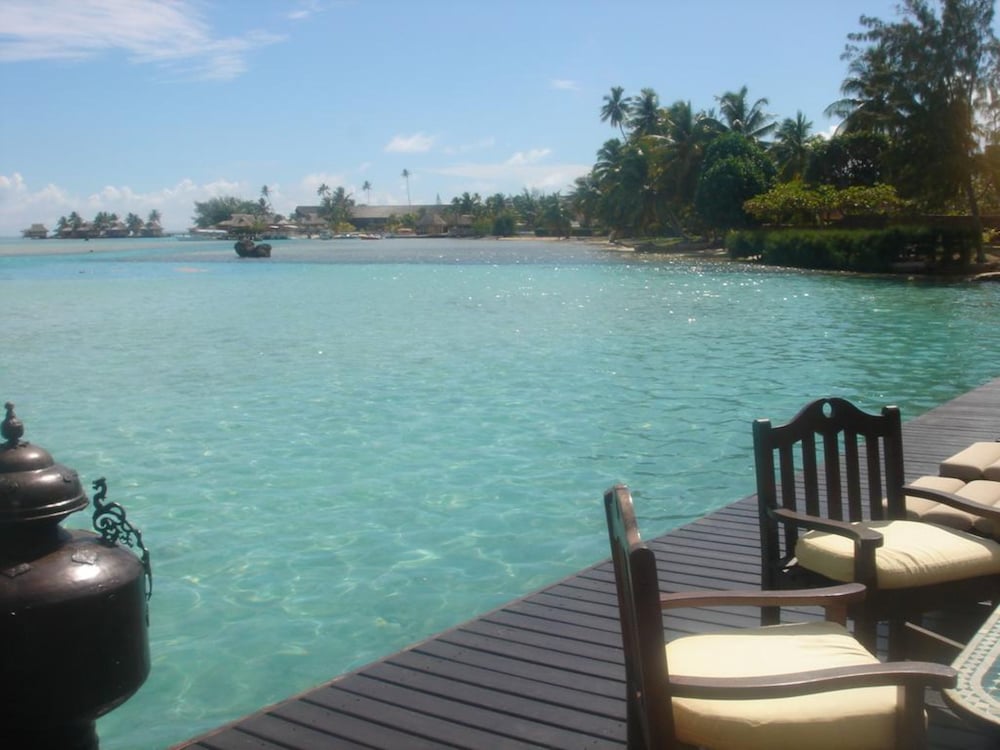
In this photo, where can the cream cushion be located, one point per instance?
(985, 492)
(992, 472)
(973, 462)
(858, 718)
(922, 509)
(982, 491)
(913, 554)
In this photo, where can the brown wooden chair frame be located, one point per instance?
(865, 481)
(650, 687)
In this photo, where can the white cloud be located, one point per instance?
(409, 144)
(169, 33)
(563, 84)
(21, 205)
(528, 157)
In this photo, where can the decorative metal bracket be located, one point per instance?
(110, 522)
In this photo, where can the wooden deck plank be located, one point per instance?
(545, 670)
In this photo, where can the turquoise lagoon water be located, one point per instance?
(354, 445)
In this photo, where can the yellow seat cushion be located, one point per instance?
(914, 553)
(922, 509)
(859, 718)
(973, 462)
(983, 491)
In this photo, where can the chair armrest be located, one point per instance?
(848, 593)
(954, 501)
(843, 528)
(866, 541)
(902, 673)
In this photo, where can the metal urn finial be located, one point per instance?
(12, 427)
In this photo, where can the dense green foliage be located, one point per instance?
(735, 170)
(919, 129)
(214, 210)
(105, 224)
(873, 251)
(795, 203)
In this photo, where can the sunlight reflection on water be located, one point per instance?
(331, 459)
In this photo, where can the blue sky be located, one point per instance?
(134, 105)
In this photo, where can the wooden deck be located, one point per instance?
(545, 671)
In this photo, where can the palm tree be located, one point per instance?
(644, 113)
(323, 190)
(367, 187)
(134, 224)
(615, 109)
(406, 176)
(791, 146)
(689, 133)
(263, 204)
(747, 119)
(585, 197)
(869, 101)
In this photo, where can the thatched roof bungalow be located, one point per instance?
(35, 232)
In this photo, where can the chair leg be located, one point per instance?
(911, 728)
(770, 615)
(897, 639)
(865, 628)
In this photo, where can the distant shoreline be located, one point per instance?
(17, 246)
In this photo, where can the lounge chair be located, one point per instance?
(832, 509)
(801, 685)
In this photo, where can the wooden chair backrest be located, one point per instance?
(833, 461)
(650, 714)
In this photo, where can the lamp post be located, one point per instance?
(73, 604)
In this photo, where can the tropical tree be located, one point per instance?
(628, 196)
(644, 113)
(616, 109)
(214, 210)
(939, 78)
(102, 221)
(337, 207)
(848, 159)
(263, 203)
(739, 116)
(867, 104)
(675, 160)
(585, 198)
(735, 170)
(406, 176)
(367, 187)
(792, 145)
(553, 218)
(323, 190)
(468, 204)
(133, 223)
(526, 206)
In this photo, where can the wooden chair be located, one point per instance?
(832, 508)
(803, 685)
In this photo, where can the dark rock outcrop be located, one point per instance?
(247, 249)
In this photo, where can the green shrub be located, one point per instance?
(865, 250)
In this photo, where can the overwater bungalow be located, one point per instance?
(35, 232)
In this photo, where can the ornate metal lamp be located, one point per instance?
(73, 604)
